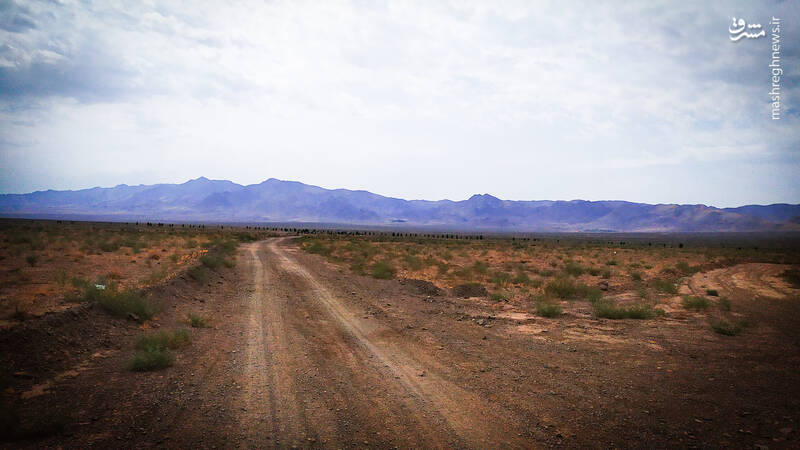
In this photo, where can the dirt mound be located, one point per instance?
(54, 342)
(470, 290)
(421, 287)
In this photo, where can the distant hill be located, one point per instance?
(204, 200)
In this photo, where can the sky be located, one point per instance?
(525, 100)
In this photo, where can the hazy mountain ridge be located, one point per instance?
(285, 201)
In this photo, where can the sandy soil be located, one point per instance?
(303, 354)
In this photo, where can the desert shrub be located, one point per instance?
(546, 273)
(412, 262)
(594, 271)
(564, 288)
(319, 249)
(215, 261)
(121, 303)
(191, 243)
(197, 321)
(727, 328)
(198, 273)
(591, 294)
(684, 268)
(612, 262)
(665, 285)
(79, 282)
(573, 269)
(724, 304)
(498, 296)
(383, 270)
(480, 267)
(636, 276)
(695, 303)
(546, 309)
(226, 246)
(164, 339)
(712, 292)
(605, 274)
(109, 246)
(561, 288)
(522, 278)
(500, 278)
(609, 310)
(150, 359)
(244, 236)
(358, 267)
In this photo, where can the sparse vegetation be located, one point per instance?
(383, 270)
(153, 350)
(665, 285)
(684, 268)
(574, 269)
(724, 304)
(215, 261)
(53, 254)
(121, 303)
(198, 273)
(319, 249)
(498, 296)
(164, 339)
(151, 359)
(566, 289)
(197, 321)
(695, 303)
(608, 310)
(728, 328)
(546, 309)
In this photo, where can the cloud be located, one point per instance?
(371, 86)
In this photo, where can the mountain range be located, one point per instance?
(277, 201)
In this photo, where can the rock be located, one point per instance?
(134, 317)
(421, 287)
(421, 373)
(470, 290)
(603, 285)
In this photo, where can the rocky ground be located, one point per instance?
(302, 353)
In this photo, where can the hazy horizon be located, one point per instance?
(649, 103)
(401, 198)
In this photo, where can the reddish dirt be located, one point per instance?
(301, 353)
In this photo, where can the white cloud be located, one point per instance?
(412, 99)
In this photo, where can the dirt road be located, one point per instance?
(318, 370)
(302, 353)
